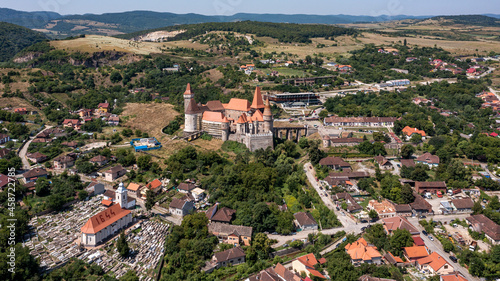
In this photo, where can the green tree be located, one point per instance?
(55, 202)
(42, 187)
(150, 200)
(416, 138)
(373, 214)
(407, 196)
(400, 238)
(83, 194)
(407, 151)
(122, 245)
(262, 244)
(130, 276)
(115, 77)
(144, 162)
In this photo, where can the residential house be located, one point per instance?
(480, 223)
(430, 186)
(63, 162)
(417, 240)
(103, 107)
(231, 234)
(179, 207)
(407, 163)
(463, 205)
(305, 221)
(114, 173)
(156, 185)
(232, 256)
(383, 163)
(434, 264)
(455, 276)
(384, 209)
(4, 138)
(99, 160)
(391, 224)
(415, 253)
(36, 157)
(186, 187)
(72, 144)
(306, 264)
(4, 181)
(216, 214)
(33, 174)
(403, 210)
(352, 205)
(95, 188)
(21, 110)
(113, 120)
(394, 260)
(409, 132)
(277, 273)
(198, 194)
(362, 252)
(134, 189)
(428, 159)
(420, 205)
(72, 123)
(335, 163)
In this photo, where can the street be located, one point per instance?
(24, 150)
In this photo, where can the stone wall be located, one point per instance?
(255, 142)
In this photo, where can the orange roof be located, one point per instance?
(257, 102)
(214, 117)
(107, 203)
(242, 119)
(133, 186)
(434, 260)
(309, 261)
(416, 251)
(188, 89)
(257, 116)
(104, 219)
(453, 277)
(238, 104)
(409, 131)
(349, 182)
(154, 184)
(267, 109)
(360, 250)
(397, 259)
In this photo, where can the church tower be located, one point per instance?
(188, 95)
(268, 117)
(258, 102)
(121, 196)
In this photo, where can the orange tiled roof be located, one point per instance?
(257, 102)
(397, 259)
(416, 251)
(104, 219)
(434, 260)
(133, 186)
(409, 131)
(188, 89)
(214, 117)
(107, 203)
(238, 104)
(309, 261)
(453, 277)
(154, 184)
(360, 250)
(257, 116)
(242, 119)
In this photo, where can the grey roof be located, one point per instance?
(177, 203)
(230, 254)
(305, 218)
(224, 228)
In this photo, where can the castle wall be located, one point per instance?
(257, 141)
(234, 114)
(191, 123)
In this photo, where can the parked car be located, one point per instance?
(363, 221)
(422, 217)
(453, 259)
(424, 232)
(430, 238)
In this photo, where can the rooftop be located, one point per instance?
(304, 218)
(110, 215)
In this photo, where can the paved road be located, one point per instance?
(435, 246)
(396, 168)
(24, 150)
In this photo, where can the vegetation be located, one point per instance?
(14, 38)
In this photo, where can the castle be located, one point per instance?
(238, 120)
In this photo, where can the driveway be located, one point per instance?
(24, 150)
(435, 246)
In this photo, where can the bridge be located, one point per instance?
(290, 133)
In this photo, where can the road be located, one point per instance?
(396, 168)
(24, 150)
(435, 246)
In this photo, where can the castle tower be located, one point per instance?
(121, 196)
(258, 102)
(191, 117)
(268, 117)
(225, 129)
(188, 95)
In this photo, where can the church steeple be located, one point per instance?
(257, 103)
(121, 196)
(188, 96)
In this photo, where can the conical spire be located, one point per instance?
(192, 107)
(188, 90)
(257, 102)
(267, 108)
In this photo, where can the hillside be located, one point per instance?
(477, 20)
(14, 38)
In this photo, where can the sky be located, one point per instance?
(229, 7)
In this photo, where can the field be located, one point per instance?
(150, 118)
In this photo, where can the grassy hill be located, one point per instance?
(14, 38)
(477, 20)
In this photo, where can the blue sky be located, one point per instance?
(229, 7)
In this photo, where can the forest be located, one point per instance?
(14, 38)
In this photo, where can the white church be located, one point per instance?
(109, 222)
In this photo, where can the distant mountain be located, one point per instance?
(478, 20)
(127, 22)
(14, 38)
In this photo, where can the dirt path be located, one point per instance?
(24, 150)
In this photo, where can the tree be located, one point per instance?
(262, 244)
(130, 276)
(407, 151)
(144, 162)
(373, 214)
(416, 138)
(400, 238)
(55, 202)
(407, 196)
(447, 245)
(150, 199)
(83, 194)
(115, 77)
(477, 208)
(122, 245)
(42, 187)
